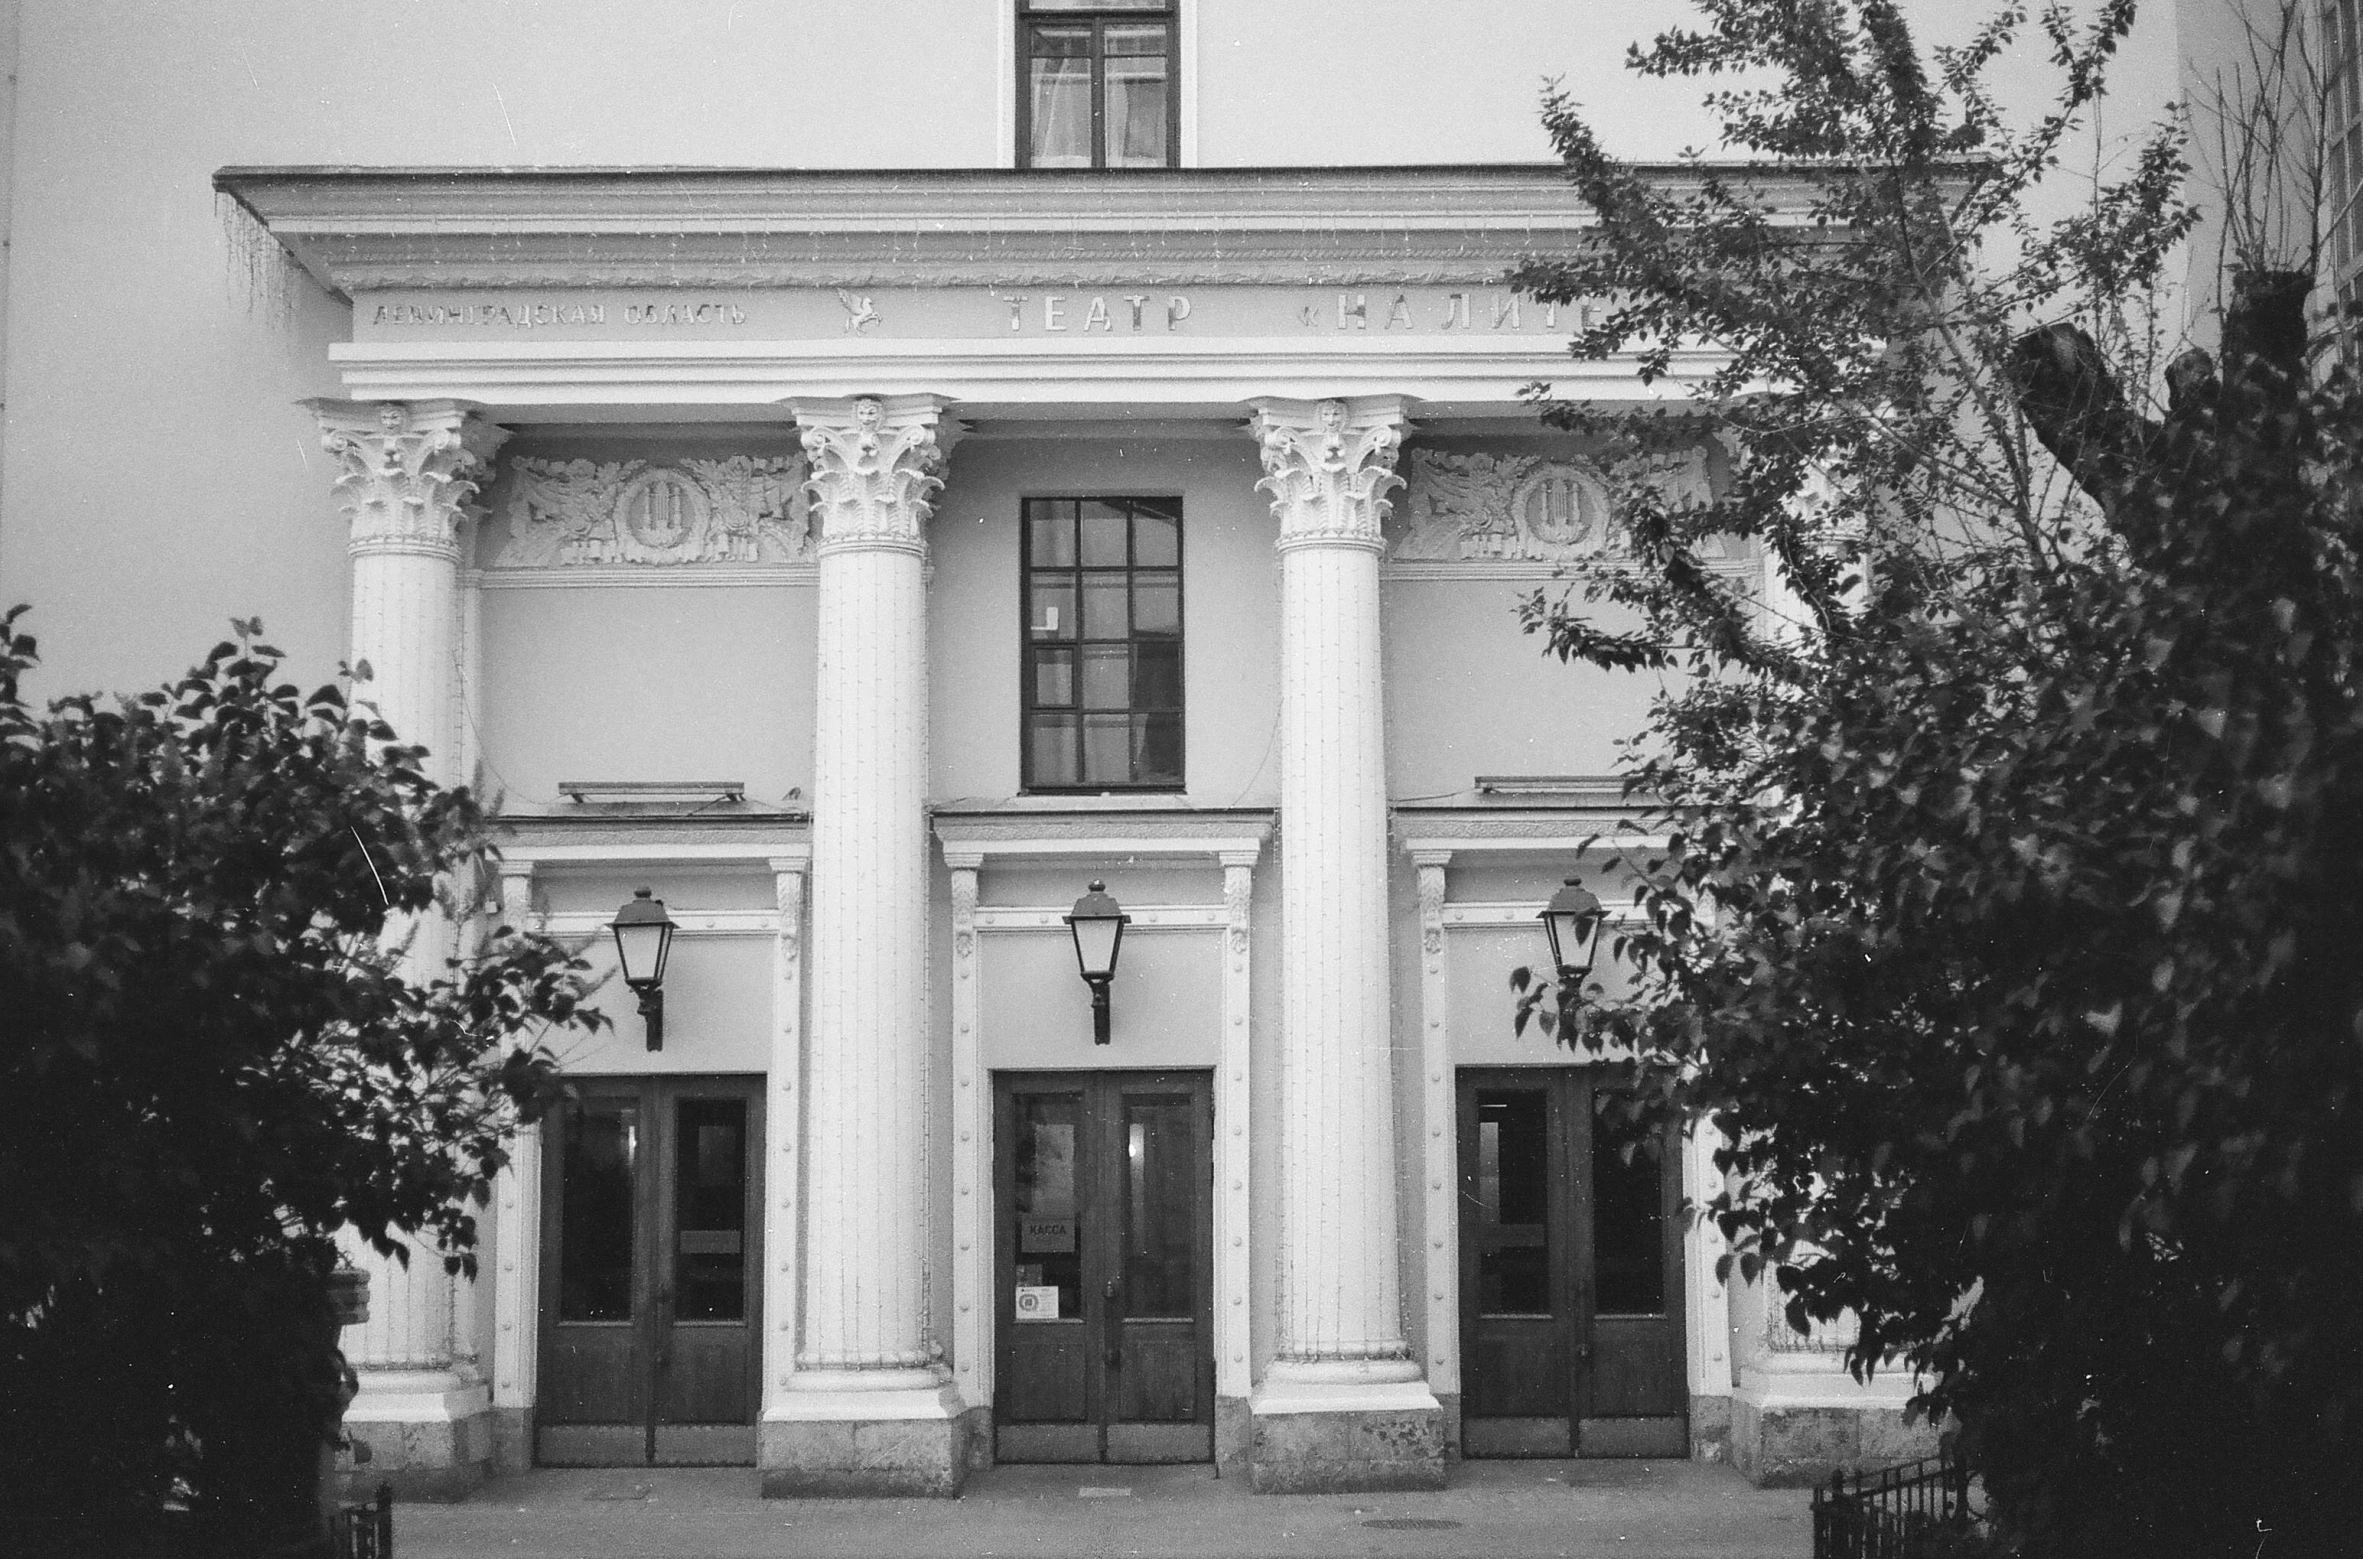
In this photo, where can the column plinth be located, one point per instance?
(407, 476)
(1344, 1405)
(869, 1408)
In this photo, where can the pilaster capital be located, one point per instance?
(1329, 466)
(407, 471)
(877, 463)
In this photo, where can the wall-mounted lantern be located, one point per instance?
(643, 940)
(1097, 922)
(1573, 920)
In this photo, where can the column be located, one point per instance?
(407, 474)
(870, 1409)
(1344, 1405)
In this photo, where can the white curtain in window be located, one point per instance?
(1062, 112)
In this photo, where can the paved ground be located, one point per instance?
(1498, 1510)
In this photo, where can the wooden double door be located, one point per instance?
(1570, 1268)
(651, 1273)
(1104, 1260)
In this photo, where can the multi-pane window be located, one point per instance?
(2342, 182)
(1103, 644)
(1095, 86)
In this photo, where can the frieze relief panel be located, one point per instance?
(739, 509)
(1536, 510)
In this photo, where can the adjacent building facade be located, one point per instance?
(867, 563)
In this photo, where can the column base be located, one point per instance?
(859, 1444)
(429, 1434)
(1334, 1429)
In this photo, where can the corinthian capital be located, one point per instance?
(407, 471)
(877, 463)
(1329, 466)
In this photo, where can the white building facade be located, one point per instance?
(867, 562)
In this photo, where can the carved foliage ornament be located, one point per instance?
(1329, 477)
(1511, 507)
(406, 474)
(742, 509)
(873, 475)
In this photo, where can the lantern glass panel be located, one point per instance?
(641, 947)
(1095, 944)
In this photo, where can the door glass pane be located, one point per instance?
(1156, 676)
(1156, 539)
(710, 1211)
(1136, 95)
(1103, 536)
(1160, 1182)
(1051, 527)
(1107, 749)
(1061, 61)
(1156, 749)
(595, 1210)
(1628, 1214)
(1057, 748)
(1513, 1202)
(1048, 1234)
(1156, 605)
(1054, 678)
(1107, 676)
(1051, 614)
(1104, 616)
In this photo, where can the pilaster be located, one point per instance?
(1439, 1169)
(1233, 1207)
(783, 1134)
(1344, 1405)
(516, 1255)
(870, 1409)
(972, 1238)
(406, 476)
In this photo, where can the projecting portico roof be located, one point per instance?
(719, 292)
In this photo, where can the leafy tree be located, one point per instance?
(214, 1057)
(2005, 922)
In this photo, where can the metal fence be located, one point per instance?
(365, 1531)
(1894, 1513)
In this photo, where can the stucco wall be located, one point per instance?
(1230, 604)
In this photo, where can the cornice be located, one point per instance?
(364, 229)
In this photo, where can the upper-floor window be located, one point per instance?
(1095, 84)
(2342, 178)
(1103, 647)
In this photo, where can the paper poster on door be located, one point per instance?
(1037, 1304)
(1040, 1234)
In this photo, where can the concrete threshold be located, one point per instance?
(1500, 1510)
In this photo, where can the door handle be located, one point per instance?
(1111, 1312)
(664, 1328)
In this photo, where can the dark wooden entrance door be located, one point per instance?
(1570, 1270)
(1104, 1186)
(651, 1277)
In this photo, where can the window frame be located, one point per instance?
(1029, 685)
(1097, 18)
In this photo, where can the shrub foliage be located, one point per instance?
(216, 1055)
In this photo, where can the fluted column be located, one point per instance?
(866, 1351)
(407, 475)
(1328, 467)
